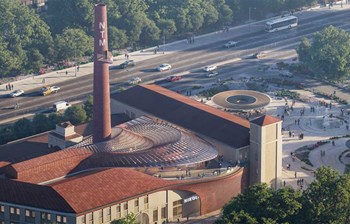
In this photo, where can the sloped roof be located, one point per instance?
(37, 196)
(265, 120)
(86, 192)
(188, 113)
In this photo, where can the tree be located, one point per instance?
(41, 123)
(23, 128)
(117, 38)
(73, 43)
(25, 38)
(329, 54)
(75, 114)
(129, 219)
(325, 201)
(88, 107)
(55, 118)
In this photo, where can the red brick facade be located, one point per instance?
(214, 194)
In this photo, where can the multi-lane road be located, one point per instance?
(231, 62)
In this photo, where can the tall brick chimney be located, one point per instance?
(101, 108)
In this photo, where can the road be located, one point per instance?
(231, 62)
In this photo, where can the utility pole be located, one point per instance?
(163, 42)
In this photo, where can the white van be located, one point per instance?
(60, 105)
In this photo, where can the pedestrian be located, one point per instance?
(66, 72)
(284, 183)
(290, 134)
(78, 68)
(295, 174)
(43, 81)
(298, 121)
(333, 143)
(295, 122)
(12, 87)
(7, 87)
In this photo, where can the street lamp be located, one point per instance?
(250, 15)
(163, 42)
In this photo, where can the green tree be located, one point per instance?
(88, 107)
(75, 114)
(117, 38)
(327, 199)
(329, 54)
(129, 219)
(55, 118)
(25, 38)
(41, 123)
(23, 128)
(73, 43)
(6, 134)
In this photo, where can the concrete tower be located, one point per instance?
(265, 153)
(101, 109)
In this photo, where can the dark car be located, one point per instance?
(127, 63)
(173, 78)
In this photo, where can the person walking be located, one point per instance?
(11, 86)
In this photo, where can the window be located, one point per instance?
(108, 212)
(2, 208)
(30, 213)
(162, 213)
(177, 208)
(155, 215)
(83, 219)
(45, 217)
(146, 199)
(90, 218)
(126, 206)
(137, 203)
(118, 208)
(61, 219)
(58, 218)
(100, 216)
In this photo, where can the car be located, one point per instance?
(55, 89)
(287, 75)
(210, 68)
(212, 74)
(164, 67)
(231, 44)
(134, 81)
(127, 63)
(259, 55)
(16, 93)
(173, 78)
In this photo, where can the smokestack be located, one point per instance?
(101, 95)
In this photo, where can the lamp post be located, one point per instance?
(250, 15)
(163, 42)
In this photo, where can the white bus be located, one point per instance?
(281, 23)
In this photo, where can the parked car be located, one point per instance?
(16, 93)
(210, 68)
(212, 74)
(231, 44)
(127, 63)
(173, 78)
(259, 55)
(164, 67)
(134, 81)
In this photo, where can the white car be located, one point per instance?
(231, 44)
(210, 68)
(135, 81)
(55, 89)
(16, 93)
(212, 74)
(164, 67)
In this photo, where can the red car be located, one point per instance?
(173, 78)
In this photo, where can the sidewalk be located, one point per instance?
(36, 82)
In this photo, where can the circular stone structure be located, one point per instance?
(241, 100)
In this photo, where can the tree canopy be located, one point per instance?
(326, 200)
(26, 43)
(327, 54)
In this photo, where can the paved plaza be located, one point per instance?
(319, 124)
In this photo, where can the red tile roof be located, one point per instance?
(49, 166)
(265, 120)
(187, 113)
(90, 191)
